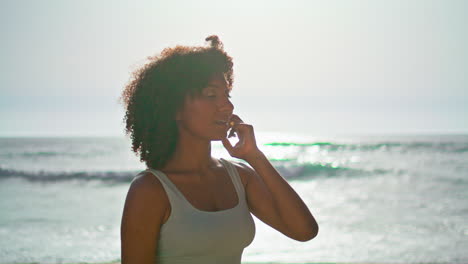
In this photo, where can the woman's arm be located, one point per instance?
(270, 197)
(272, 200)
(143, 214)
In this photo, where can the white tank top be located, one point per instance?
(192, 236)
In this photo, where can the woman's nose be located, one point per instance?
(225, 105)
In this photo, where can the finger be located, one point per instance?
(236, 119)
(243, 129)
(227, 144)
(233, 122)
(232, 131)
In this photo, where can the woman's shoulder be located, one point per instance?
(144, 213)
(244, 171)
(147, 189)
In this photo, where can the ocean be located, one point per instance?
(393, 198)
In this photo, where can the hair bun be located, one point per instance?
(214, 41)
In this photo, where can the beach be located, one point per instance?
(382, 199)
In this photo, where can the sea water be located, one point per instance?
(395, 199)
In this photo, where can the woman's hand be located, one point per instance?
(246, 148)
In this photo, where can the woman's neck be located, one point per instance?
(191, 155)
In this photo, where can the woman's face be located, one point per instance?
(207, 115)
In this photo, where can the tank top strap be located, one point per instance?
(235, 177)
(173, 194)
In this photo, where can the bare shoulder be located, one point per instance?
(146, 181)
(147, 185)
(144, 212)
(244, 170)
(147, 194)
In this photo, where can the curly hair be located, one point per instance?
(157, 91)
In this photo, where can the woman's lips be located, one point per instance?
(221, 122)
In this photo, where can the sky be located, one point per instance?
(304, 67)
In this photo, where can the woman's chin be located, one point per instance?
(219, 137)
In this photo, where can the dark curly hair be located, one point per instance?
(157, 91)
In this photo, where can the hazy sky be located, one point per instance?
(307, 67)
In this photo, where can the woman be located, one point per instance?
(189, 207)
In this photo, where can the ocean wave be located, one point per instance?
(50, 154)
(288, 170)
(454, 147)
(314, 170)
(52, 176)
